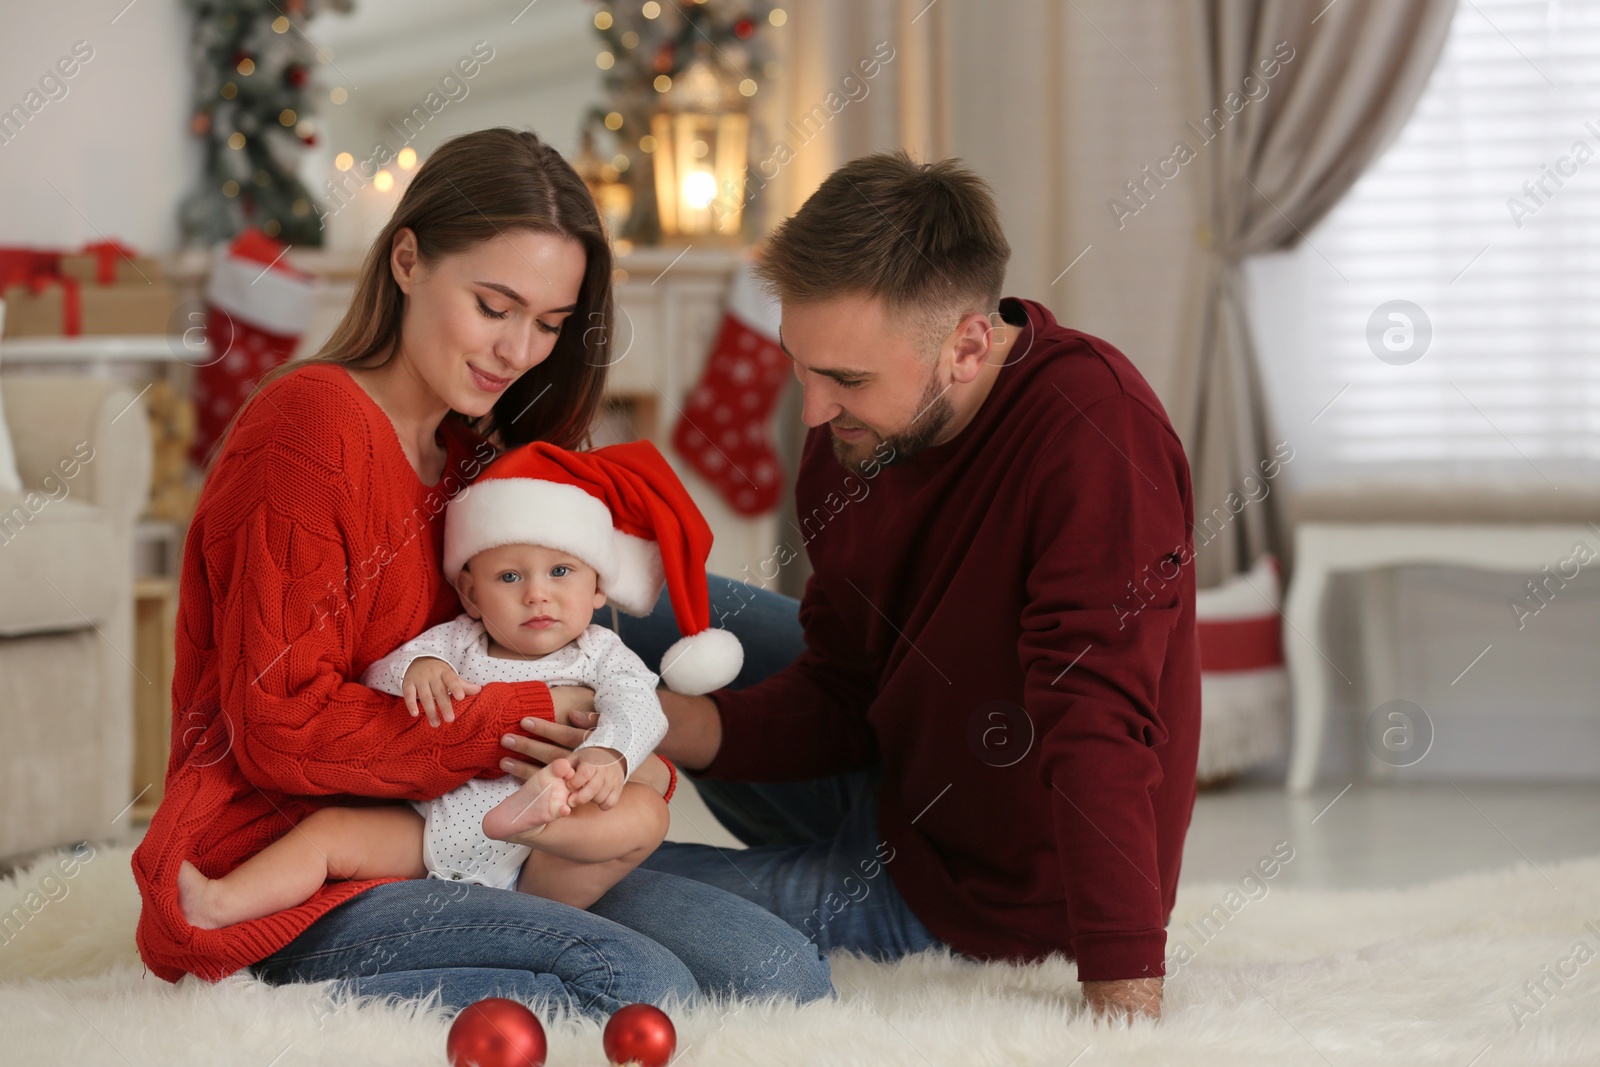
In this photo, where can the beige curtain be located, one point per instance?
(1285, 149)
(1056, 105)
(826, 113)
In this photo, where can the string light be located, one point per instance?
(338, 95)
(230, 188)
(344, 161)
(647, 143)
(662, 83)
(287, 116)
(407, 158)
(235, 140)
(748, 87)
(229, 90)
(604, 60)
(602, 20)
(778, 16)
(246, 67)
(384, 181)
(280, 24)
(651, 9)
(614, 121)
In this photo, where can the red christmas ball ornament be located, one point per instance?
(642, 1034)
(296, 76)
(496, 1033)
(743, 29)
(200, 125)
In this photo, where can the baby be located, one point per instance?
(541, 541)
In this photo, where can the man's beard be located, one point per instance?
(934, 413)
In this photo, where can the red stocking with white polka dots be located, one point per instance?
(242, 354)
(725, 433)
(257, 307)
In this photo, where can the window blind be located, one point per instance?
(1445, 318)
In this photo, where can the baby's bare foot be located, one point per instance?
(195, 897)
(541, 801)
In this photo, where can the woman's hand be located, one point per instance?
(550, 740)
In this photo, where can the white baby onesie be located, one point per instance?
(630, 721)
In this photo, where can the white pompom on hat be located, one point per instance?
(622, 510)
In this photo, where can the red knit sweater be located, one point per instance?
(314, 551)
(1007, 622)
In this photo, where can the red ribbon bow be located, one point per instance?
(106, 254)
(39, 270)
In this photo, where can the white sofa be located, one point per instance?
(66, 608)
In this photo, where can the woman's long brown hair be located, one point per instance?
(472, 188)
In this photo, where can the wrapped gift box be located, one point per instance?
(122, 308)
(116, 266)
(106, 288)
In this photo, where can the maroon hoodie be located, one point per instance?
(1006, 621)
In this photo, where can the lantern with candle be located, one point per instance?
(702, 137)
(612, 194)
(679, 78)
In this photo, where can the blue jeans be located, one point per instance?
(654, 937)
(815, 858)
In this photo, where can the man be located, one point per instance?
(998, 702)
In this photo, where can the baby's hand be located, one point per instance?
(599, 775)
(430, 682)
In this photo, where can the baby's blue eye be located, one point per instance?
(560, 570)
(508, 576)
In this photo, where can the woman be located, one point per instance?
(484, 307)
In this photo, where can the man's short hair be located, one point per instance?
(924, 237)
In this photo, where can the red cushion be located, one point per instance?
(1241, 644)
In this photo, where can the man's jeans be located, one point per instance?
(815, 858)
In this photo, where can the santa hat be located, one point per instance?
(623, 511)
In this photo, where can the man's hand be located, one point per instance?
(549, 741)
(430, 682)
(598, 775)
(1124, 997)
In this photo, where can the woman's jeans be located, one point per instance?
(815, 858)
(654, 937)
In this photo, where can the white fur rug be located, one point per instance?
(1424, 976)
